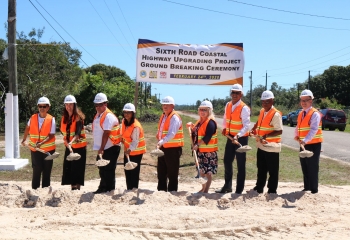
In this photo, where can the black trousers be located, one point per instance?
(132, 177)
(267, 162)
(168, 168)
(74, 171)
(41, 167)
(310, 167)
(107, 173)
(229, 156)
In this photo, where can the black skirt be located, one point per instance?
(74, 171)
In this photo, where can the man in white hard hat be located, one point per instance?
(41, 128)
(308, 133)
(170, 141)
(268, 129)
(106, 134)
(236, 124)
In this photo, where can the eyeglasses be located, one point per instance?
(40, 106)
(304, 101)
(265, 102)
(99, 104)
(203, 109)
(127, 112)
(237, 93)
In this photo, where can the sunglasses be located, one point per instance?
(42, 106)
(127, 112)
(265, 102)
(304, 101)
(237, 93)
(99, 104)
(203, 109)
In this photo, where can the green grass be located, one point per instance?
(331, 172)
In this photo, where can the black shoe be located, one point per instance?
(313, 192)
(98, 191)
(258, 190)
(224, 190)
(275, 192)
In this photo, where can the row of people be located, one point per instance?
(108, 137)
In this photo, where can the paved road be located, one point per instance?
(335, 144)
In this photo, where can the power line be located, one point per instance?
(54, 29)
(118, 26)
(126, 21)
(66, 31)
(259, 19)
(310, 60)
(110, 30)
(280, 10)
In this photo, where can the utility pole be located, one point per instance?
(266, 82)
(145, 95)
(251, 88)
(308, 82)
(12, 64)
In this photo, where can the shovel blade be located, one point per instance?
(102, 163)
(243, 149)
(53, 156)
(306, 154)
(73, 156)
(157, 153)
(130, 165)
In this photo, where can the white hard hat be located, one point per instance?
(100, 98)
(267, 95)
(129, 107)
(70, 99)
(237, 88)
(307, 92)
(206, 104)
(168, 100)
(44, 100)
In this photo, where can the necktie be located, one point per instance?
(304, 113)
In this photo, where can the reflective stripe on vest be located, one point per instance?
(178, 139)
(212, 145)
(304, 127)
(233, 120)
(114, 135)
(36, 135)
(126, 135)
(264, 126)
(72, 129)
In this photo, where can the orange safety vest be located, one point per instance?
(114, 135)
(38, 135)
(304, 126)
(264, 126)
(72, 129)
(233, 119)
(212, 145)
(178, 139)
(126, 135)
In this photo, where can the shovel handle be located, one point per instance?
(42, 151)
(302, 147)
(70, 148)
(100, 155)
(234, 140)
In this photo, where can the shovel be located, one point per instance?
(241, 148)
(201, 180)
(72, 156)
(49, 156)
(305, 153)
(129, 165)
(157, 152)
(102, 162)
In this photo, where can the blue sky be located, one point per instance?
(107, 31)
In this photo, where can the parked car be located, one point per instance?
(333, 118)
(284, 120)
(288, 117)
(293, 119)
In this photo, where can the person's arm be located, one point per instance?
(245, 115)
(26, 132)
(175, 124)
(104, 140)
(135, 136)
(224, 123)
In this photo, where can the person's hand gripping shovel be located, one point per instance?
(49, 155)
(201, 180)
(72, 156)
(241, 148)
(304, 153)
(157, 152)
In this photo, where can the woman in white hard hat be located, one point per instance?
(72, 128)
(41, 128)
(205, 141)
(134, 144)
